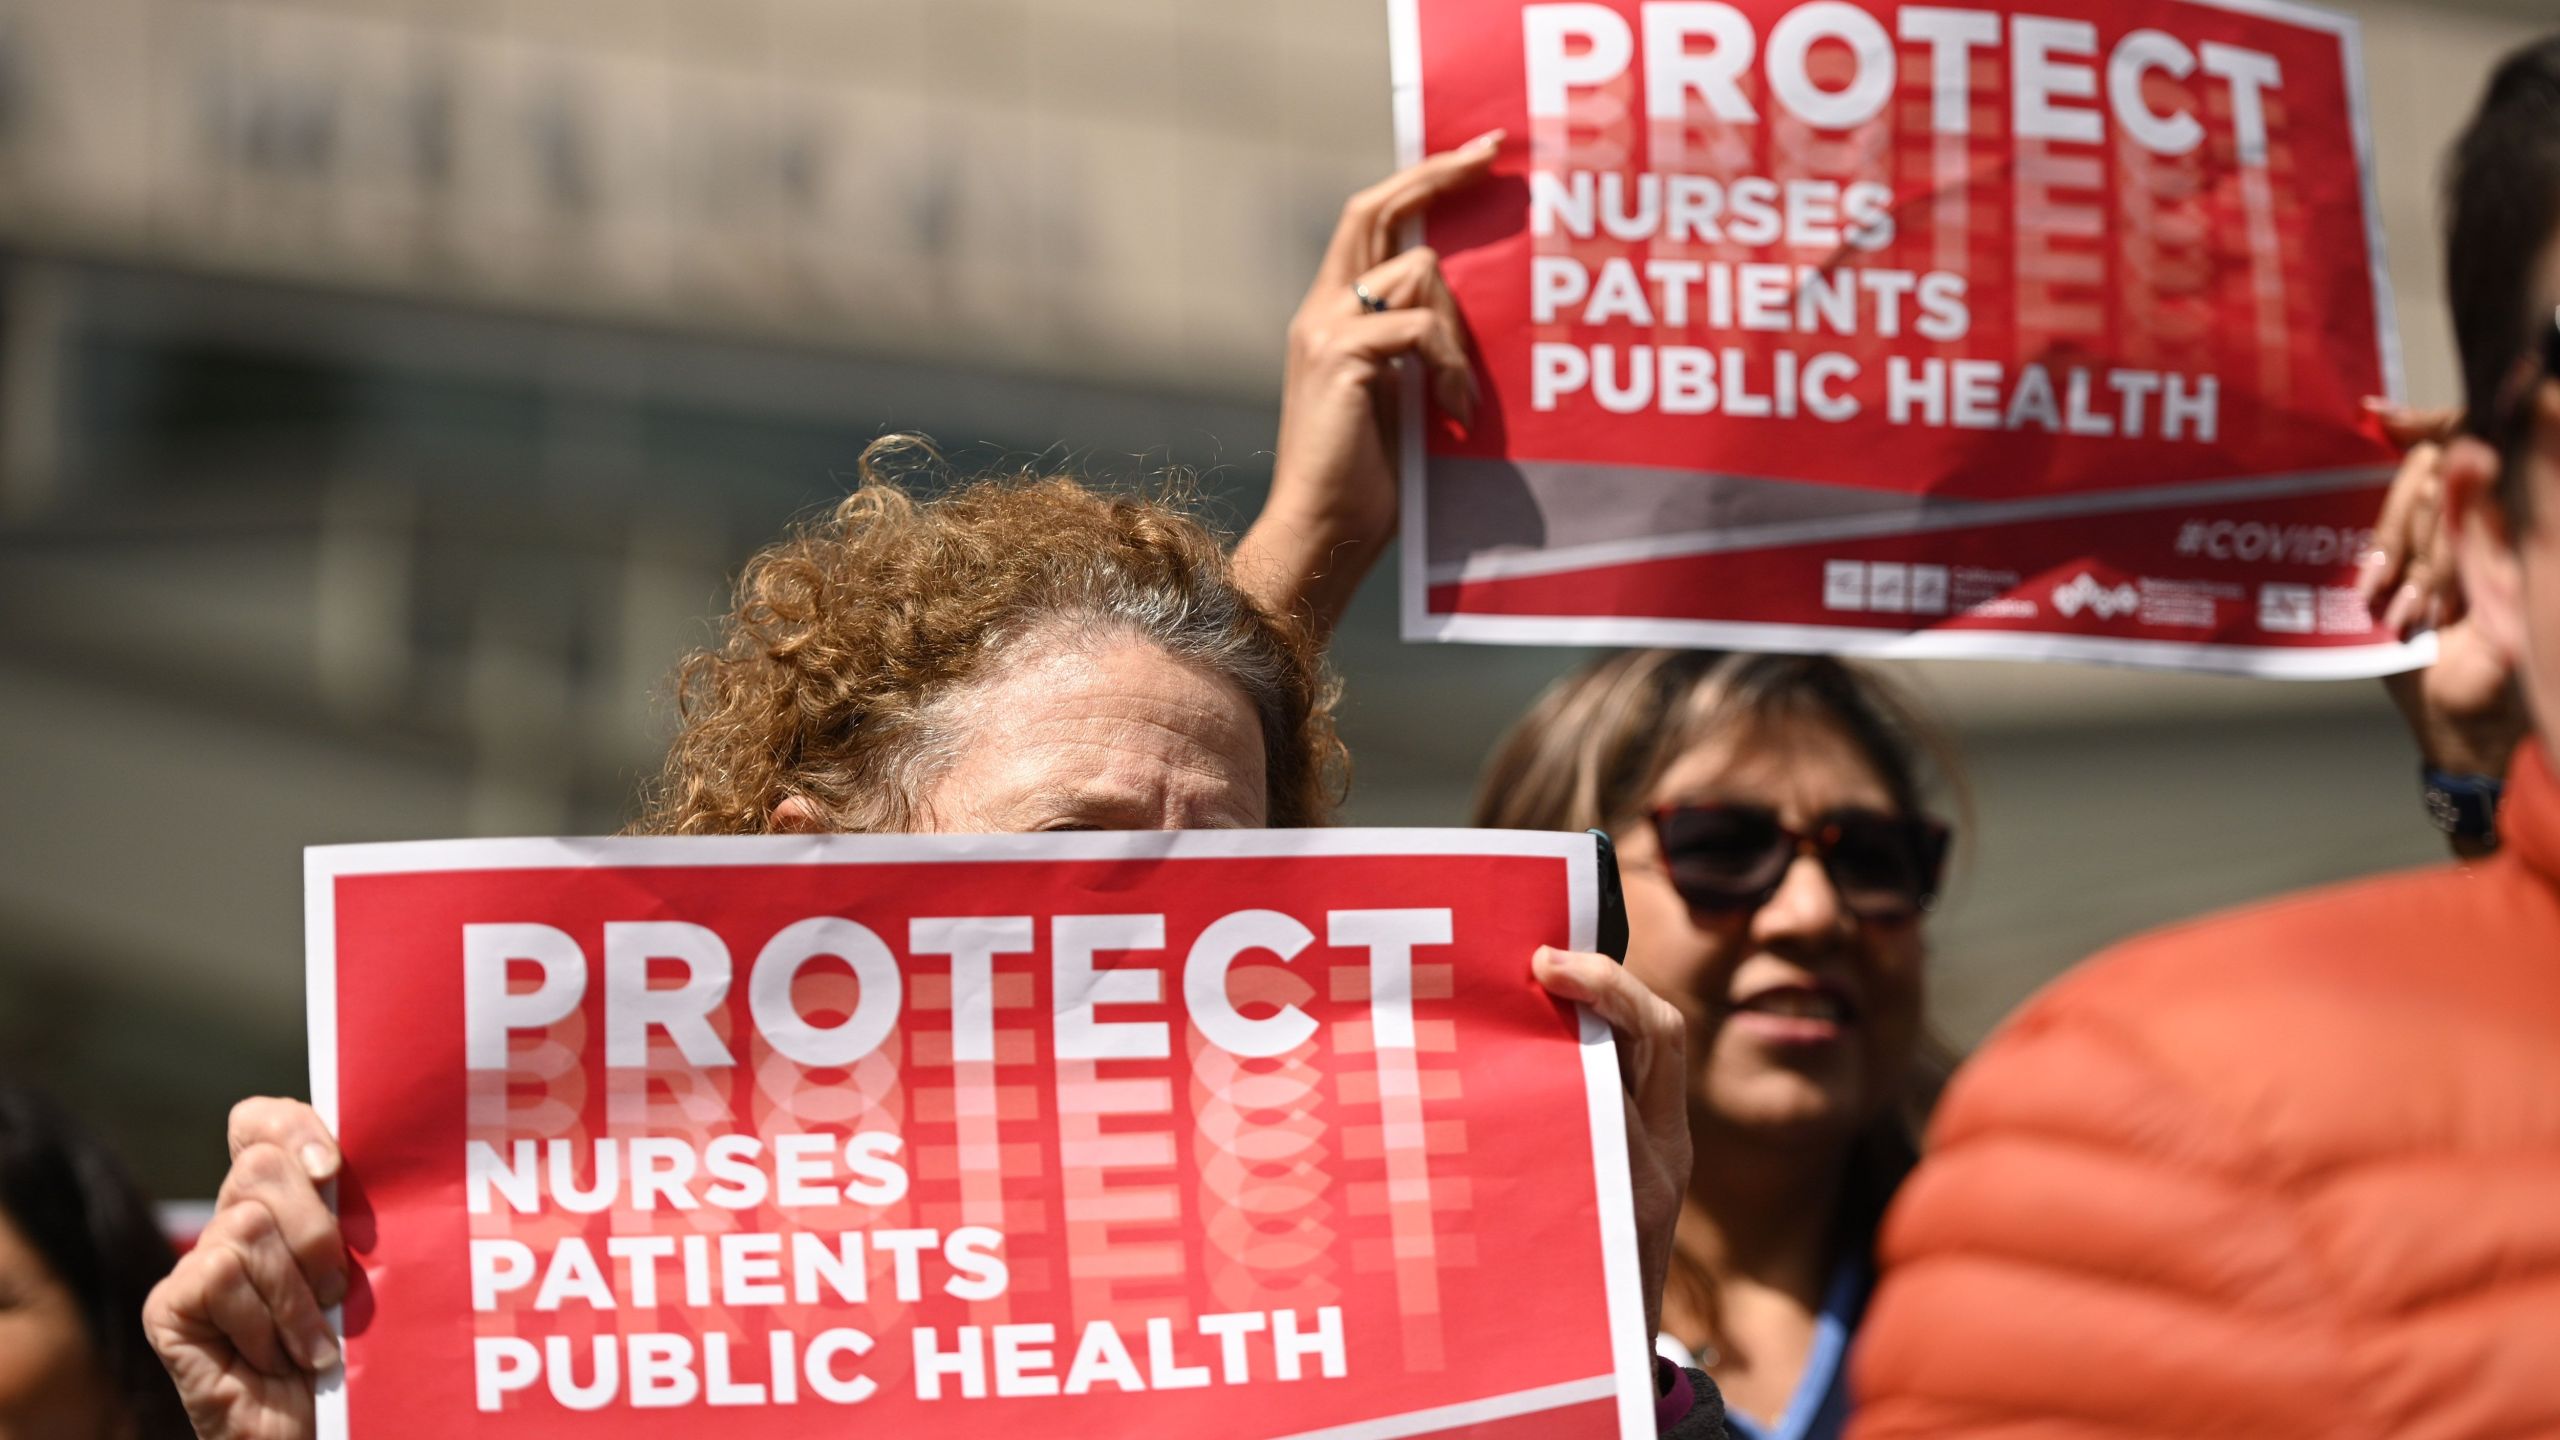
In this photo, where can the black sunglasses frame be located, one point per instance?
(1928, 837)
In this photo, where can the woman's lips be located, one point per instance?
(1814, 1014)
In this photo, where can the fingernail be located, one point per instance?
(330, 1291)
(2376, 404)
(1488, 142)
(1453, 399)
(2369, 576)
(324, 1352)
(315, 1161)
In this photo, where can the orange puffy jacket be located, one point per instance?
(2294, 1171)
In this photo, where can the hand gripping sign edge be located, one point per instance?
(1629, 1378)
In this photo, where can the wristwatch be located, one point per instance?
(2464, 807)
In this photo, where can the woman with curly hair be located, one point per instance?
(866, 653)
(1018, 655)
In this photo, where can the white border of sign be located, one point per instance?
(320, 1018)
(1622, 1286)
(2345, 662)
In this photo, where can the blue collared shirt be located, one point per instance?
(1819, 1408)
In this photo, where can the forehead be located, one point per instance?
(1799, 764)
(1110, 735)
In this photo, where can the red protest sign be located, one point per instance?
(1235, 1133)
(2029, 330)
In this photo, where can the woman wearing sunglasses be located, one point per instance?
(1769, 818)
(1769, 813)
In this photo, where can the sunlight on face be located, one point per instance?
(1114, 736)
(1802, 1018)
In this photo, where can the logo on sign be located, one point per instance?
(2106, 602)
(1888, 586)
(1844, 585)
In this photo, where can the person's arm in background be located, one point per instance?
(1331, 513)
(2464, 710)
(1332, 508)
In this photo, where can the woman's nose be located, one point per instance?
(1805, 905)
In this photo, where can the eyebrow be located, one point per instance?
(1107, 807)
(1095, 804)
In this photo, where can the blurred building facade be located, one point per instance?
(387, 388)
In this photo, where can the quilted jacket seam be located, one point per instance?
(2282, 1197)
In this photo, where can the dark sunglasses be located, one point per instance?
(1734, 857)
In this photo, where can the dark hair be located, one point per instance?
(1591, 750)
(79, 1211)
(2502, 212)
(1592, 747)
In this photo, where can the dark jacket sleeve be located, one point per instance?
(1705, 1420)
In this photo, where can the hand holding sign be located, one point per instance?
(654, 1007)
(240, 1321)
(1653, 1062)
(1333, 480)
(2464, 709)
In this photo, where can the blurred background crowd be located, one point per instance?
(388, 389)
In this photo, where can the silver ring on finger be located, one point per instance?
(1369, 301)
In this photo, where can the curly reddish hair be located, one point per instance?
(847, 633)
